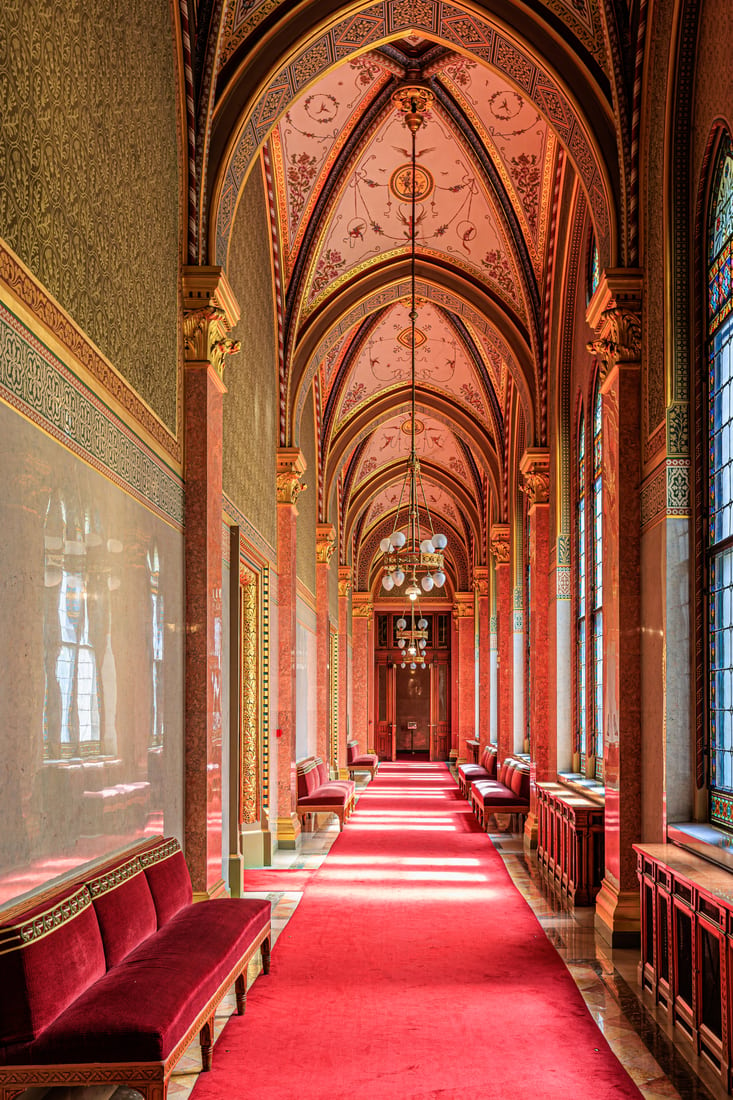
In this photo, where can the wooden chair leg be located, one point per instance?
(207, 1042)
(240, 991)
(265, 950)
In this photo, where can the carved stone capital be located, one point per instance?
(535, 470)
(345, 580)
(290, 467)
(500, 543)
(614, 313)
(463, 607)
(210, 310)
(362, 606)
(481, 580)
(325, 542)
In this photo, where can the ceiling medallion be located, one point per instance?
(419, 426)
(405, 338)
(400, 183)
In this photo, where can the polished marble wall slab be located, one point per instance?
(91, 637)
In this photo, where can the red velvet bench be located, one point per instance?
(107, 978)
(360, 762)
(318, 793)
(507, 794)
(485, 769)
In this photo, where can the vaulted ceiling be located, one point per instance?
(498, 134)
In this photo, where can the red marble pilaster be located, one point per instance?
(535, 470)
(290, 469)
(505, 639)
(343, 686)
(616, 318)
(481, 582)
(325, 545)
(463, 612)
(209, 311)
(362, 639)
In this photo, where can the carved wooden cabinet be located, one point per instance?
(687, 946)
(570, 842)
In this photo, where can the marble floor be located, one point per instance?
(663, 1065)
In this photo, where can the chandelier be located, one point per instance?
(404, 554)
(413, 639)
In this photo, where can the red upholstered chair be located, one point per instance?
(485, 769)
(360, 762)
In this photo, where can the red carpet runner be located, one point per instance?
(413, 968)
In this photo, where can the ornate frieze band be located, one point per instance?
(666, 492)
(30, 931)
(36, 383)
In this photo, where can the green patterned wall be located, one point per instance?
(88, 173)
(307, 501)
(250, 406)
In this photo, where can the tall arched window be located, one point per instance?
(597, 580)
(594, 268)
(580, 624)
(720, 485)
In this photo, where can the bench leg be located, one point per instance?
(265, 949)
(240, 992)
(207, 1041)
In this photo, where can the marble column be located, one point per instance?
(504, 631)
(362, 629)
(209, 312)
(483, 654)
(290, 470)
(535, 471)
(325, 546)
(463, 613)
(339, 764)
(616, 317)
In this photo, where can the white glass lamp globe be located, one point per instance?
(402, 665)
(413, 665)
(423, 665)
(398, 540)
(427, 582)
(427, 547)
(401, 643)
(398, 577)
(412, 591)
(401, 624)
(439, 578)
(422, 643)
(385, 546)
(440, 541)
(387, 582)
(422, 624)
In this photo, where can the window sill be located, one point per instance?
(704, 840)
(581, 784)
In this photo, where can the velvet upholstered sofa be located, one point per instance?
(360, 761)
(107, 978)
(318, 793)
(507, 794)
(484, 769)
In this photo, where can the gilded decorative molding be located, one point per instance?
(210, 310)
(535, 470)
(114, 878)
(614, 312)
(362, 609)
(249, 712)
(290, 465)
(325, 542)
(162, 852)
(463, 607)
(30, 931)
(481, 580)
(499, 543)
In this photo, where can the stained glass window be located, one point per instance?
(720, 476)
(594, 268)
(597, 577)
(580, 616)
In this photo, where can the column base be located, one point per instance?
(218, 890)
(288, 832)
(617, 919)
(253, 844)
(343, 773)
(236, 867)
(530, 833)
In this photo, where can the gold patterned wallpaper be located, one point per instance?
(88, 173)
(250, 406)
(308, 501)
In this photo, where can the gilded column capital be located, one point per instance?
(362, 605)
(499, 543)
(210, 310)
(463, 606)
(290, 467)
(325, 542)
(345, 580)
(614, 313)
(481, 579)
(534, 467)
